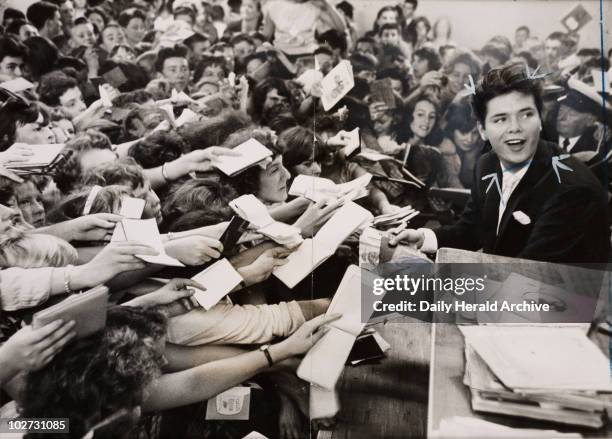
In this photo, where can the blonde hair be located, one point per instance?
(34, 250)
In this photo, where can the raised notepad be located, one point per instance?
(251, 153)
(219, 279)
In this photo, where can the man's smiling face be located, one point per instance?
(512, 126)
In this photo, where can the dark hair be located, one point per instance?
(40, 12)
(157, 148)
(240, 37)
(15, 26)
(347, 8)
(132, 97)
(213, 131)
(503, 80)
(96, 376)
(216, 12)
(388, 26)
(107, 200)
(129, 14)
(525, 28)
(414, 3)
(422, 19)
(43, 56)
(136, 76)
(12, 14)
(197, 37)
(211, 192)
(10, 46)
(194, 219)
(431, 56)
(184, 10)
(53, 85)
(559, 36)
(381, 11)
(397, 74)
(300, 145)
(363, 61)
(459, 116)
(97, 10)
(16, 112)
(176, 51)
(529, 59)
(365, 39)
(335, 39)
(263, 88)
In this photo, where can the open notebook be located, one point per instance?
(318, 188)
(255, 212)
(251, 153)
(313, 252)
(325, 361)
(88, 310)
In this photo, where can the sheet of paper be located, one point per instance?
(104, 96)
(324, 362)
(130, 208)
(347, 301)
(146, 232)
(353, 144)
(251, 153)
(187, 116)
(336, 84)
(313, 188)
(16, 85)
(219, 279)
(302, 262)
(323, 403)
(249, 207)
(345, 221)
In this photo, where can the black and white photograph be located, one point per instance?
(305, 219)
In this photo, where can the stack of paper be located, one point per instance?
(43, 157)
(539, 372)
(251, 153)
(313, 252)
(401, 216)
(219, 279)
(324, 363)
(249, 208)
(146, 232)
(317, 188)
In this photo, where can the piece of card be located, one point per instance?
(219, 279)
(146, 232)
(323, 403)
(251, 153)
(187, 116)
(104, 97)
(16, 85)
(233, 404)
(336, 84)
(576, 19)
(130, 208)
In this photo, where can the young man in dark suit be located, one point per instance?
(519, 207)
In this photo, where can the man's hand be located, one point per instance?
(194, 250)
(96, 227)
(262, 267)
(199, 160)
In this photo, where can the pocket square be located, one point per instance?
(521, 217)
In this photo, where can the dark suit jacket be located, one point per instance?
(569, 221)
(586, 142)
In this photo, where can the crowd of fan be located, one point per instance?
(242, 67)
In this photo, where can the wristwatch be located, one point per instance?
(266, 350)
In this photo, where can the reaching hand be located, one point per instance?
(96, 227)
(413, 238)
(31, 349)
(194, 250)
(308, 334)
(315, 216)
(261, 268)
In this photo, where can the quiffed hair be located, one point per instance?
(40, 12)
(176, 51)
(503, 80)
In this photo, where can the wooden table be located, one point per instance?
(448, 396)
(388, 399)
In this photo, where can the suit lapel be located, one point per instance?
(490, 199)
(540, 167)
